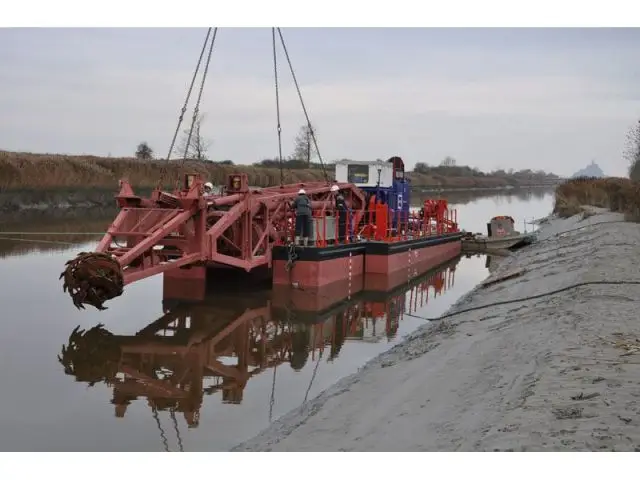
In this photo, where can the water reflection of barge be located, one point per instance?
(217, 345)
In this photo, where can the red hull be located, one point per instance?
(318, 274)
(412, 259)
(428, 259)
(185, 284)
(388, 264)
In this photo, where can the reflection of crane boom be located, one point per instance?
(203, 348)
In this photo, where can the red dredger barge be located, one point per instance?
(186, 234)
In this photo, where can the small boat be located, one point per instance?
(502, 235)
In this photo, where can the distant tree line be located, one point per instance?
(448, 167)
(193, 146)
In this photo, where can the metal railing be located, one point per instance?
(327, 227)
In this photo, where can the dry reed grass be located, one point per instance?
(617, 194)
(20, 170)
(27, 170)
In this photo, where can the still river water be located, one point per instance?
(124, 393)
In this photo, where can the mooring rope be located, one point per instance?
(53, 233)
(54, 242)
(7, 236)
(530, 297)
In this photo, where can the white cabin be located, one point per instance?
(365, 174)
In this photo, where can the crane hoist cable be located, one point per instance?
(277, 91)
(196, 108)
(278, 127)
(304, 108)
(184, 107)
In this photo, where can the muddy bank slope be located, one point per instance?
(557, 372)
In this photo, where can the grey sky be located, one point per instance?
(534, 98)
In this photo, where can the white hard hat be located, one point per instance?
(208, 185)
(335, 188)
(301, 191)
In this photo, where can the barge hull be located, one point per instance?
(317, 267)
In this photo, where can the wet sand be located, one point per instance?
(559, 372)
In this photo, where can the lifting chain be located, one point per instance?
(272, 398)
(92, 278)
(313, 377)
(278, 127)
(175, 427)
(183, 110)
(196, 109)
(304, 108)
(292, 256)
(163, 435)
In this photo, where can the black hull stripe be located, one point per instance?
(314, 254)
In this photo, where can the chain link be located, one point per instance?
(175, 427)
(272, 400)
(163, 436)
(313, 377)
(292, 256)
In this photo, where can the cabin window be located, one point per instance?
(399, 174)
(358, 173)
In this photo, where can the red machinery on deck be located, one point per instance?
(436, 212)
(186, 230)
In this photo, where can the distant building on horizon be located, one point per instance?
(592, 170)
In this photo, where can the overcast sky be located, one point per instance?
(491, 98)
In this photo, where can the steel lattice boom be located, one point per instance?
(236, 228)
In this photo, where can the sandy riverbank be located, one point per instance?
(560, 372)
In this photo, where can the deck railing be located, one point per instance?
(378, 224)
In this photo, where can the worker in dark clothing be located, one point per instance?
(302, 207)
(341, 210)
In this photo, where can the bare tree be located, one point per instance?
(304, 148)
(632, 152)
(144, 151)
(421, 167)
(198, 146)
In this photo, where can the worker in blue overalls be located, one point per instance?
(302, 207)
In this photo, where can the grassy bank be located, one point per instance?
(27, 171)
(618, 194)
